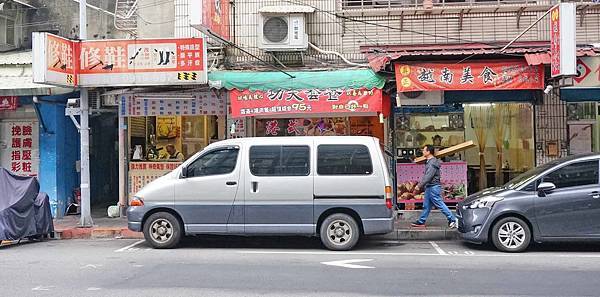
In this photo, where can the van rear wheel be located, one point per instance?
(162, 230)
(339, 232)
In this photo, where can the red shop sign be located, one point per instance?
(502, 75)
(8, 102)
(271, 102)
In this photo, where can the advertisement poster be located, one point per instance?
(580, 138)
(503, 75)
(280, 102)
(142, 173)
(24, 148)
(453, 178)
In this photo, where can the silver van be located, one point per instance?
(334, 187)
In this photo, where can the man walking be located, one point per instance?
(430, 182)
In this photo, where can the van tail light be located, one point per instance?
(136, 201)
(388, 197)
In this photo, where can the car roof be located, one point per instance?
(296, 140)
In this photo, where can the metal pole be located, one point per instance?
(525, 31)
(86, 213)
(122, 158)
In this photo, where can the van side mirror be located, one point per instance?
(546, 187)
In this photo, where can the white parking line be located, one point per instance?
(437, 248)
(129, 246)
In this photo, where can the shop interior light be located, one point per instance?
(479, 104)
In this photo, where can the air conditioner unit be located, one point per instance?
(420, 98)
(282, 32)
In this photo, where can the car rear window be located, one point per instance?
(344, 159)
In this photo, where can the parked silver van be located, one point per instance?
(334, 187)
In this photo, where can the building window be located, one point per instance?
(7, 31)
(344, 160)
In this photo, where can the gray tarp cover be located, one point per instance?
(23, 210)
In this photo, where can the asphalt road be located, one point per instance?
(293, 267)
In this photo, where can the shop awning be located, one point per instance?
(580, 94)
(16, 77)
(535, 52)
(264, 81)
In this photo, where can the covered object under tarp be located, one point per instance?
(24, 212)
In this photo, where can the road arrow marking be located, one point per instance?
(346, 263)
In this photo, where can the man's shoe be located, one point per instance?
(453, 224)
(417, 224)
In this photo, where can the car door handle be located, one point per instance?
(254, 187)
(231, 183)
(595, 195)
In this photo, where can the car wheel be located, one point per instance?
(339, 232)
(162, 230)
(511, 235)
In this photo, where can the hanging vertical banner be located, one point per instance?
(211, 17)
(562, 40)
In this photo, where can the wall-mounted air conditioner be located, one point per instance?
(283, 28)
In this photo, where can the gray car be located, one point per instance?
(558, 201)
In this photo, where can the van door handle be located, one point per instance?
(595, 195)
(254, 187)
(231, 183)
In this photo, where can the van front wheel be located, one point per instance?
(162, 230)
(339, 232)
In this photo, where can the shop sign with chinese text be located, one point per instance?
(23, 148)
(137, 62)
(142, 173)
(211, 17)
(497, 75)
(313, 101)
(8, 102)
(563, 40)
(588, 72)
(54, 60)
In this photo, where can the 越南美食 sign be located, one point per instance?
(137, 62)
(497, 75)
(313, 101)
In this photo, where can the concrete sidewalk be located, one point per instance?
(104, 227)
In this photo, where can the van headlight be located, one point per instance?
(484, 202)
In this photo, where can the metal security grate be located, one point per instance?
(551, 129)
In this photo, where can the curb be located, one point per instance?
(411, 234)
(97, 233)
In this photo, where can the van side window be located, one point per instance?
(344, 159)
(214, 163)
(277, 160)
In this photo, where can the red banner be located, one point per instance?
(258, 103)
(215, 17)
(8, 102)
(504, 75)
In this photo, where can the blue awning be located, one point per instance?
(580, 94)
